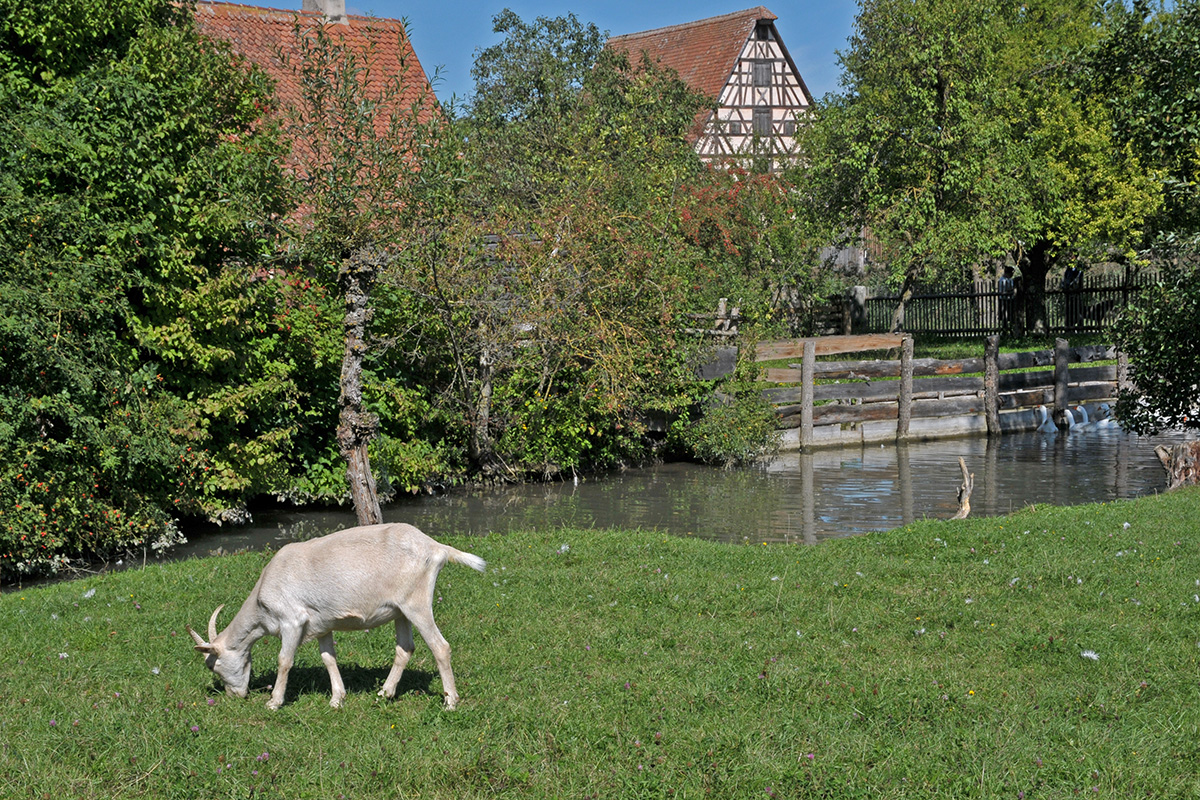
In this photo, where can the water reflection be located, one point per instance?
(798, 497)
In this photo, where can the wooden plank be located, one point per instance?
(1107, 373)
(827, 345)
(873, 391)
(874, 412)
(1075, 394)
(1019, 381)
(890, 390)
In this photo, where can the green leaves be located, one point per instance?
(137, 184)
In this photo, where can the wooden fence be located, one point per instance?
(981, 308)
(849, 402)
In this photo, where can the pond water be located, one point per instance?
(797, 497)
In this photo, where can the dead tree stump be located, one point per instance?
(1182, 463)
(964, 491)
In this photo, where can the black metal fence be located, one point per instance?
(982, 308)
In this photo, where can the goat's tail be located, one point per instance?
(466, 559)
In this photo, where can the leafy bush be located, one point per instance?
(729, 430)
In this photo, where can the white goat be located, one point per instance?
(355, 579)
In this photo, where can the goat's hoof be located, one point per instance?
(386, 693)
(335, 702)
(273, 704)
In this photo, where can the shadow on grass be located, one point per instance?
(315, 680)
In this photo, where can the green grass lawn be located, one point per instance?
(1051, 653)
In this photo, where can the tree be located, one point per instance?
(137, 191)
(565, 278)
(1159, 333)
(1144, 70)
(914, 141)
(360, 137)
(958, 140)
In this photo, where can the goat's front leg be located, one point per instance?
(404, 651)
(289, 642)
(335, 677)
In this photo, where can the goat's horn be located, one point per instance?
(199, 640)
(212, 623)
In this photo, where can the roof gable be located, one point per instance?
(704, 52)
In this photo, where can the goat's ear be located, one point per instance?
(206, 648)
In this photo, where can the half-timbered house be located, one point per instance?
(739, 61)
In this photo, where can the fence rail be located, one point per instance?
(982, 308)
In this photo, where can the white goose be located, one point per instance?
(1047, 425)
(1104, 420)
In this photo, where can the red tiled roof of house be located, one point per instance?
(704, 52)
(262, 34)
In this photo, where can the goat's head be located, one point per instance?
(232, 666)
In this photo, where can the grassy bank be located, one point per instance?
(1049, 653)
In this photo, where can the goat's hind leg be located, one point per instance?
(441, 653)
(404, 651)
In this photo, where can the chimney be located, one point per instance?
(334, 10)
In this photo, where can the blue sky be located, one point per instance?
(448, 33)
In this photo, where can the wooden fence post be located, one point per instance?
(1061, 357)
(807, 369)
(904, 415)
(991, 384)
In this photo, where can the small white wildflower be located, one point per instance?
(919, 632)
(1090, 655)
(859, 574)
(54, 616)
(89, 594)
(154, 670)
(564, 549)
(985, 561)
(969, 601)
(1013, 582)
(61, 656)
(1126, 526)
(774, 577)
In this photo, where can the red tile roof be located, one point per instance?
(261, 34)
(704, 52)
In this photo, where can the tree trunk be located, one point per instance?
(1182, 463)
(480, 448)
(356, 428)
(906, 293)
(1034, 270)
